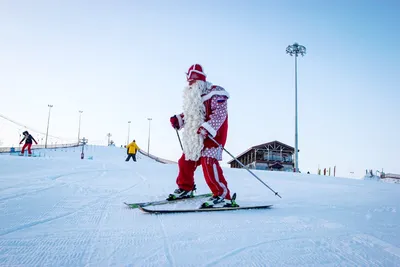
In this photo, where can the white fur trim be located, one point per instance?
(180, 121)
(196, 71)
(210, 129)
(213, 93)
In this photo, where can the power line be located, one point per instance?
(32, 129)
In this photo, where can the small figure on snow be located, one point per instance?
(204, 114)
(28, 143)
(132, 149)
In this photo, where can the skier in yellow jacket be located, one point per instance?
(132, 149)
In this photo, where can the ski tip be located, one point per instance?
(131, 206)
(146, 210)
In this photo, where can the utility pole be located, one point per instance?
(129, 129)
(84, 141)
(109, 136)
(79, 128)
(148, 142)
(48, 122)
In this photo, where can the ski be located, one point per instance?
(203, 209)
(162, 202)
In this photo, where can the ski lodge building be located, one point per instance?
(274, 156)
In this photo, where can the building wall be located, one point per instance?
(261, 159)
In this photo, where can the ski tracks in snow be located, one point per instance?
(235, 252)
(91, 248)
(53, 185)
(305, 241)
(167, 246)
(52, 218)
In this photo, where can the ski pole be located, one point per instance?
(179, 138)
(241, 164)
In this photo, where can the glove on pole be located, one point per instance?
(241, 164)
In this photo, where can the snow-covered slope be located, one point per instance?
(60, 210)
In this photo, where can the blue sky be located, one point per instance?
(125, 60)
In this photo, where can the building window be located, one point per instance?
(273, 156)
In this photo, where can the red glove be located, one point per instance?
(202, 131)
(174, 122)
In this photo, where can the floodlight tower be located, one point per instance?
(48, 122)
(296, 50)
(129, 130)
(79, 128)
(148, 142)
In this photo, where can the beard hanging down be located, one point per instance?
(194, 115)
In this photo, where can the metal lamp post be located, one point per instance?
(109, 140)
(148, 142)
(48, 122)
(79, 128)
(129, 129)
(296, 50)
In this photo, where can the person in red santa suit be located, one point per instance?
(204, 114)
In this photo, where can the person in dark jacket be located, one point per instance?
(28, 142)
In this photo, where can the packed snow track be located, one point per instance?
(60, 210)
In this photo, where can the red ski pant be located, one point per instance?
(212, 173)
(26, 146)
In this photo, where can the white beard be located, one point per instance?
(194, 116)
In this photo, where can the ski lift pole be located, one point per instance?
(241, 164)
(83, 146)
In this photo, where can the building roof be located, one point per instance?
(265, 146)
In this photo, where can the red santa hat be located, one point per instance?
(196, 72)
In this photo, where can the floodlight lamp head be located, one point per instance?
(296, 49)
(302, 50)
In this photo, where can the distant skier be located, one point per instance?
(28, 143)
(132, 149)
(204, 113)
